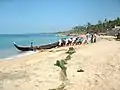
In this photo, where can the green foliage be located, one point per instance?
(71, 51)
(68, 57)
(63, 61)
(61, 64)
(71, 48)
(100, 27)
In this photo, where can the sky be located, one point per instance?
(39, 16)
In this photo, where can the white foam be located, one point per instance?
(21, 55)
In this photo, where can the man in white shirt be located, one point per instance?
(70, 41)
(60, 42)
(95, 36)
(88, 37)
(73, 40)
(66, 42)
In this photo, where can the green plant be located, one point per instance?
(71, 51)
(61, 64)
(100, 27)
(64, 61)
(68, 57)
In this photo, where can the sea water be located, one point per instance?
(7, 48)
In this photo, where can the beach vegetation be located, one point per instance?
(68, 57)
(102, 26)
(63, 74)
(61, 65)
(71, 51)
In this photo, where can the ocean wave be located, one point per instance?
(21, 55)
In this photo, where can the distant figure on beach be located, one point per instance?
(74, 41)
(88, 37)
(118, 34)
(94, 38)
(31, 44)
(60, 42)
(79, 40)
(68, 41)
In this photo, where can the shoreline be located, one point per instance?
(34, 52)
(7, 48)
(19, 55)
(28, 53)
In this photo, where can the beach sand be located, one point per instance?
(100, 62)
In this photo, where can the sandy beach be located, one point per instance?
(100, 62)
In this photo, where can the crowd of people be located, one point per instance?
(78, 40)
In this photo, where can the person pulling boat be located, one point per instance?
(74, 40)
(60, 42)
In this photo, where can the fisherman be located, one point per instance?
(74, 41)
(79, 40)
(94, 38)
(68, 41)
(32, 46)
(118, 34)
(60, 42)
(88, 37)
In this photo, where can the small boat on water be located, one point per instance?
(29, 48)
(23, 48)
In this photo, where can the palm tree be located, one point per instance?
(105, 21)
(118, 21)
(88, 26)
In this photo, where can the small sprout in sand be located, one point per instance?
(68, 57)
(71, 51)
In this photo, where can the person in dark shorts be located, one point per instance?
(94, 38)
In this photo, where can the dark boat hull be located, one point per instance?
(49, 46)
(23, 48)
(28, 48)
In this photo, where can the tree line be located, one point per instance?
(100, 27)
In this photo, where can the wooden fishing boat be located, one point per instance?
(29, 48)
(49, 46)
(23, 48)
